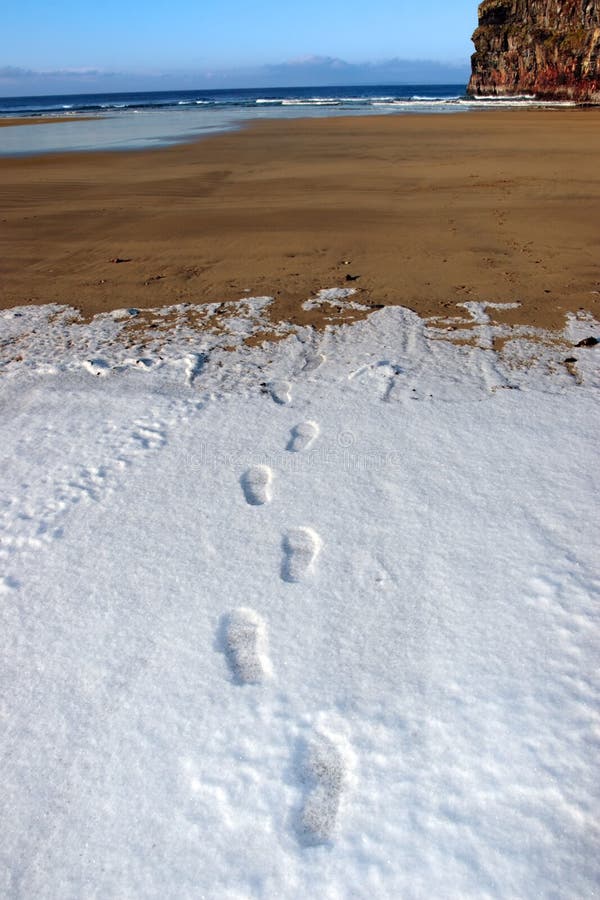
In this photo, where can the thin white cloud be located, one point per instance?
(16, 73)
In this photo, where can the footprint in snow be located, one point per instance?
(301, 546)
(281, 392)
(256, 485)
(312, 363)
(8, 583)
(383, 374)
(303, 436)
(246, 646)
(324, 771)
(195, 364)
(149, 436)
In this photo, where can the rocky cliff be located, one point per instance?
(550, 48)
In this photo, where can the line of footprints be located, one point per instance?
(323, 766)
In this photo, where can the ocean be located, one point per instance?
(137, 120)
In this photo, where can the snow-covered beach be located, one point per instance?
(314, 618)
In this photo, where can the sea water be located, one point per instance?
(127, 121)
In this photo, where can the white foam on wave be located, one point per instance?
(504, 97)
(330, 101)
(430, 99)
(475, 102)
(311, 101)
(514, 100)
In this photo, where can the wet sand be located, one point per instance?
(9, 122)
(422, 211)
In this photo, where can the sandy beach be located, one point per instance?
(421, 211)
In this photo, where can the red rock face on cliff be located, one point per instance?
(550, 48)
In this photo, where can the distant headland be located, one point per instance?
(539, 47)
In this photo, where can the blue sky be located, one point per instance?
(134, 44)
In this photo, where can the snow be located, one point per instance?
(312, 619)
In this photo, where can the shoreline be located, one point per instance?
(429, 211)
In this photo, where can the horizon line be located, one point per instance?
(223, 90)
